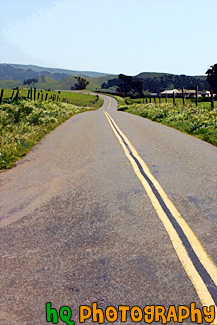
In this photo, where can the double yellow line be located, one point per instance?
(195, 260)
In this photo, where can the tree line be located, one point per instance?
(134, 86)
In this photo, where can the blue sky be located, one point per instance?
(114, 36)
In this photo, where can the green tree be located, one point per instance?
(212, 77)
(30, 81)
(130, 86)
(82, 83)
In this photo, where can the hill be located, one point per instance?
(96, 83)
(13, 75)
(21, 72)
(146, 75)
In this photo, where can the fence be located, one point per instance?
(155, 97)
(33, 94)
(40, 95)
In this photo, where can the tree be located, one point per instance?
(82, 83)
(130, 86)
(212, 77)
(125, 86)
(30, 81)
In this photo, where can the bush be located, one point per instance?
(24, 123)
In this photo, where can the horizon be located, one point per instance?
(100, 72)
(130, 36)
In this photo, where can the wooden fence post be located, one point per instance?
(34, 93)
(166, 99)
(31, 93)
(1, 96)
(38, 96)
(46, 96)
(196, 96)
(174, 98)
(12, 96)
(28, 94)
(17, 94)
(212, 99)
(183, 96)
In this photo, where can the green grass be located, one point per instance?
(72, 97)
(198, 121)
(25, 122)
(9, 83)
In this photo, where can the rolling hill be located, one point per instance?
(13, 75)
(18, 71)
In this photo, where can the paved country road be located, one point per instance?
(82, 220)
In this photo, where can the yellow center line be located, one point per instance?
(109, 104)
(188, 265)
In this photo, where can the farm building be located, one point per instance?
(188, 93)
(170, 92)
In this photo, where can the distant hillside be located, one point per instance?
(21, 72)
(145, 75)
(96, 83)
(13, 75)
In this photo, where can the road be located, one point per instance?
(109, 208)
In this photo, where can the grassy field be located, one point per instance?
(198, 121)
(73, 98)
(25, 122)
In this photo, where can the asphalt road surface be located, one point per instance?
(84, 218)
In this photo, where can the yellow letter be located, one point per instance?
(149, 311)
(209, 316)
(160, 311)
(195, 311)
(136, 314)
(123, 310)
(97, 311)
(111, 314)
(172, 314)
(180, 314)
(83, 316)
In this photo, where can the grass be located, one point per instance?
(198, 121)
(9, 83)
(25, 122)
(73, 98)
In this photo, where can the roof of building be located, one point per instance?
(170, 92)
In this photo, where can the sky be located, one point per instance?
(111, 36)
